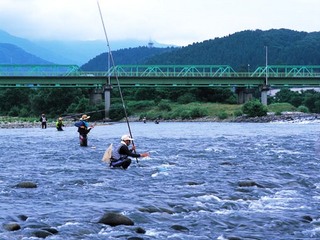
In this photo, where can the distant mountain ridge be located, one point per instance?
(11, 54)
(31, 48)
(68, 52)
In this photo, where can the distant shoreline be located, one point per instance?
(285, 117)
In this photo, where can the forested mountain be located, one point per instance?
(242, 50)
(139, 55)
(11, 54)
(247, 49)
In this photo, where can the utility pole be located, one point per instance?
(267, 66)
(265, 87)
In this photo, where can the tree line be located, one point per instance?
(55, 102)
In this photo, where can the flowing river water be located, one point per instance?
(203, 180)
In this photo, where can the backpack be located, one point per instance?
(79, 124)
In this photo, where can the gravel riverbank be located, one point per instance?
(285, 117)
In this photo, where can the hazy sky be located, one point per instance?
(177, 22)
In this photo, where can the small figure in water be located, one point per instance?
(156, 121)
(59, 124)
(120, 157)
(144, 120)
(83, 130)
(43, 120)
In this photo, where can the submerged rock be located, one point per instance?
(307, 219)
(153, 209)
(13, 226)
(180, 228)
(41, 234)
(23, 217)
(140, 230)
(51, 230)
(234, 238)
(194, 183)
(26, 185)
(115, 219)
(249, 184)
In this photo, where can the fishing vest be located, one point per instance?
(116, 154)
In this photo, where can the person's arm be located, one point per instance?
(125, 150)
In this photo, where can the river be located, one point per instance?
(203, 180)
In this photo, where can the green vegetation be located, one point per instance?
(306, 100)
(254, 109)
(31, 103)
(167, 104)
(189, 111)
(8, 119)
(281, 107)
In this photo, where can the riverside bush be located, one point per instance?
(222, 115)
(254, 109)
(164, 106)
(237, 113)
(198, 112)
(303, 109)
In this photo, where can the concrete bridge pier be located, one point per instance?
(264, 95)
(107, 100)
(96, 96)
(244, 95)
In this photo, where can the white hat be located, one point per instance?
(126, 137)
(85, 117)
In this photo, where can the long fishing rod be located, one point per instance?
(116, 74)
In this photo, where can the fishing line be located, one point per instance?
(116, 74)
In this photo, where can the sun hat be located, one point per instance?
(126, 137)
(84, 117)
(60, 118)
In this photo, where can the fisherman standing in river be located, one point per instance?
(120, 158)
(43, 120)
(59, 124)
(83, 130)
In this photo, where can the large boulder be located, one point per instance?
(115, 219)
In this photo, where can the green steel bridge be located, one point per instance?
(46, 76)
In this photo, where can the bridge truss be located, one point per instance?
(158, 76)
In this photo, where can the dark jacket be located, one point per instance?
(124, 152)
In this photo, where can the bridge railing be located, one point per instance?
(172, 71)
(287, 71)
(38, 70)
